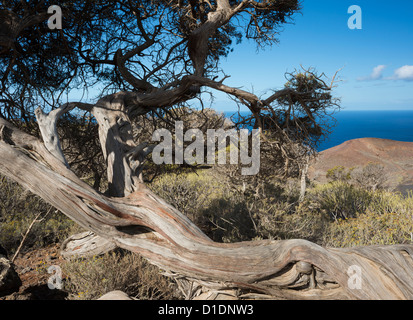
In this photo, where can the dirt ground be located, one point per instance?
(32, 268)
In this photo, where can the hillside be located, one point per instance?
(395, 156)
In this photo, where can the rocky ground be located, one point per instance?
(32, 268)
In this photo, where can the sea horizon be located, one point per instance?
(353, 124)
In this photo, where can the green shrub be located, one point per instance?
(229, 220)
(228, 214)
(339, 173)
(280, 219)
(383, 202)
(338, 199)
(387, 220)
(219, 211)
(18, 208)
(371, 229)
(273, 213)
(188, 192)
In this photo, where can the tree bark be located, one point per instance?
(142, 222)
(303, 183)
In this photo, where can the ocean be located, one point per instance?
(393, 125)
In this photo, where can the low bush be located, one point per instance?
(339, 173)
(89, 279)
(387, 220)
(339, 199)
(275, 222)
(217, 210)
(228, 214)
(18, 208)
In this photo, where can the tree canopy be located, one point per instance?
(161, 55)
(141, 46)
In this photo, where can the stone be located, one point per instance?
(115, 295)
(9, 279)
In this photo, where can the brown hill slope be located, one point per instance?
(395, 156)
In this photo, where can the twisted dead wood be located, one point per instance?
(142, 222)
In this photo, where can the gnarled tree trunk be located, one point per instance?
(132, 217)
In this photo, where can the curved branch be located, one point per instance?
(48, 127)
(126, 74)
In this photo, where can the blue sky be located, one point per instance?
(377, 60)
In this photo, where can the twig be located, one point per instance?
(27, 233)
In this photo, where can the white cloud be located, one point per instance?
(376, 74)
(404, 73)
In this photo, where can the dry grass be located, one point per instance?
(89, 279)
(18, 209)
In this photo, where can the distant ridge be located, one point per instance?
(395, 156)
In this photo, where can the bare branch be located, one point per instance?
(48, 128)
(127, 75)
